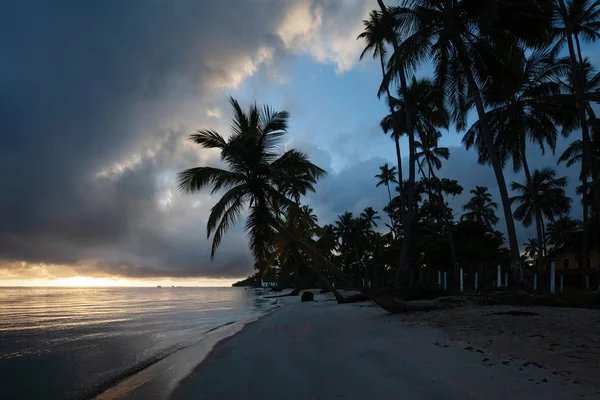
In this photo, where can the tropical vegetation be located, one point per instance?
(511, 77)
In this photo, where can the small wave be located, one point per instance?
(101, 387)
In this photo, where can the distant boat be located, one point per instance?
(158, 286)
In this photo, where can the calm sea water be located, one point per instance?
(70, 343)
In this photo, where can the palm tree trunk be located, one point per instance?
(389, 193)
(494, 159)
(544, 236)
(317, 258)
(536, 208)
(585, 240)
(396, 136)
(399, 161)
(447, 221)
(581, 107)
(401, 270)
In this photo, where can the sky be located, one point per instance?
(97, 101)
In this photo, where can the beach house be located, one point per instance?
(567, 262)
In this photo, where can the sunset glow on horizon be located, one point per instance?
(88, 281)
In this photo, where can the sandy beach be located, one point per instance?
(322, 350)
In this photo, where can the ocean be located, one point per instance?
(75, 343)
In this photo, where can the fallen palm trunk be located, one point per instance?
(395, 305)
(294, 292)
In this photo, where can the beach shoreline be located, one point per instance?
(326, 350)
(158, 380)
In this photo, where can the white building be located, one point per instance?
(267, 284)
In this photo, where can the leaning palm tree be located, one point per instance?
(386, 176)
(541, 196)
(463, 39)
(258, 178)
(481, 208)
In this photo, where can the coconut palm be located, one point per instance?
(575, 21)
(399, 73)
(463, 39)
(528, 108)
(543, 196)
(426, 103)
(481, 208)
(428, 149)
(327, 240)
(369, 217)
(562, 231)
(575, 152)
(386, 176)
(309, 215)
(378, 32)
(431, 154)
(258, 178)
(532, 248)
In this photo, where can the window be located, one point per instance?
(565, 263)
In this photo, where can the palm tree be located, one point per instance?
(481, 208)
(562, 231)
(427, 108)
(542, 196)
(309, 214)
(369, 217)
(527, 108)
(257, 177)
(428, 149)
(327, 240)
(386, 176)
(532, 248)
(575, 21)
(378, 32)
(463, 39)
(575, 152)
(431, 153)
(399, 73)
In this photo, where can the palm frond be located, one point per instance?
(196, 179)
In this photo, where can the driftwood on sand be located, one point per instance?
(294, 292)
(395, 305)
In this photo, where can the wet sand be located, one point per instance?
(322, 350)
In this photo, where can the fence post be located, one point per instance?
(506, 279)
(534, 282)
(445, 281)
(562, 281)
(462, 286)
(499, 278)
(552, 277)
(476, 280)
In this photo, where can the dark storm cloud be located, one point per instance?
(96, 99)
(86, 85)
